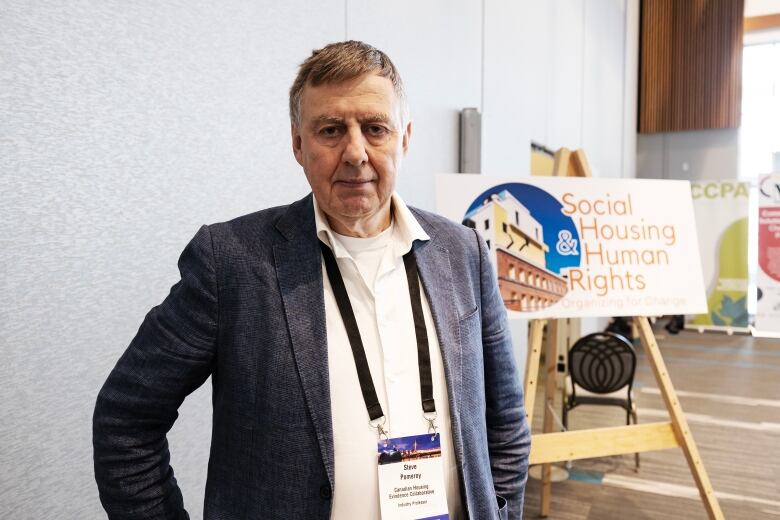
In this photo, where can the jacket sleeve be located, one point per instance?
(171, 355)
(509, 439)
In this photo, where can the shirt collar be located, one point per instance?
(406, 229)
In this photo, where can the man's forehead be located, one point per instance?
(367, 81)
(369, 95)
(330, 111)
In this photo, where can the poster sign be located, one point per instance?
(583, 247)
(768, 279)
(721, 209)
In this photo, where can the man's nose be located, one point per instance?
(355, 148)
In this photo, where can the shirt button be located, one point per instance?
(325, 492)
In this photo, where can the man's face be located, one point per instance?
(350, 143)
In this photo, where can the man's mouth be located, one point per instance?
(355, 183)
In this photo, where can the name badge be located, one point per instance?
(411, 478)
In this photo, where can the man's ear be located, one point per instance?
(407, 137)
(296, 143)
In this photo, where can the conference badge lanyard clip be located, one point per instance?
(410, 469)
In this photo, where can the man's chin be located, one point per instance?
(351, 214)
(356, 213)
(357, 207)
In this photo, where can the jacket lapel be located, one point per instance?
(299, 271)
(433, 262)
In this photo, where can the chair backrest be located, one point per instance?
(602, 363)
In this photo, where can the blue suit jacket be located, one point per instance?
(249, 312)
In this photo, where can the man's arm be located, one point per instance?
(509, 440)
(169, 358)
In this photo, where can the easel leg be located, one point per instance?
(679, 423)
(551, 357)
(532, 367)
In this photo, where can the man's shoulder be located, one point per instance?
(261, 217)
(261, 229)
(267, 221)
(257, 225)
(443, 228)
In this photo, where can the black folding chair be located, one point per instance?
(601, 371)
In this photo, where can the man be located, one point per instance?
(299, 313)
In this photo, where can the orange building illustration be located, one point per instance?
(516, 242)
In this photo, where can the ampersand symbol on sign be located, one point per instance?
(567, 244)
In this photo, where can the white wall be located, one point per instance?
(124, 126)
(560, 73)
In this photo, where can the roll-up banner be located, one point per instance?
(583, 247)
(768, 277)
(721, 209)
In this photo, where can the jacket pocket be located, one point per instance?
(503, 510)
(469, 314)
(470, 328)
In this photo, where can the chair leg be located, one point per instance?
(565, 421)
(636, 421)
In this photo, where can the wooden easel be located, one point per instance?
(550, 446)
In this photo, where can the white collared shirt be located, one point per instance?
(375, 279)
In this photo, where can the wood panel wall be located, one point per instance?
(690, 72)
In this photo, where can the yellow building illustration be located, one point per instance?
(516, 242)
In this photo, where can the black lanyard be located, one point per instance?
(356, 342)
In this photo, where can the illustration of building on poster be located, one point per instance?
(516, 241)
(578, 247)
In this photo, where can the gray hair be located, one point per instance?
(343, 61)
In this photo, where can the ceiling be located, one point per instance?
(761, 7)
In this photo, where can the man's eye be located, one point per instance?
(330, 131)
(376, 130)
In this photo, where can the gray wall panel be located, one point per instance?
(124, 127)
(693, 155)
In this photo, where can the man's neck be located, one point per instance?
(363, 227)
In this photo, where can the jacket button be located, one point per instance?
(325, 492)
